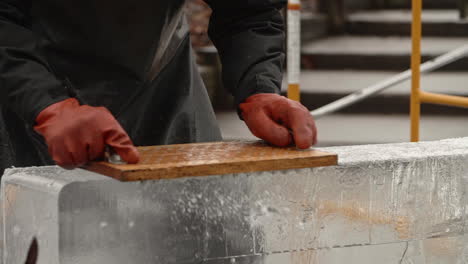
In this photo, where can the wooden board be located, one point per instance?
(203, 159)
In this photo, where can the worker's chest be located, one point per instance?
(104, 16)
(132, 33)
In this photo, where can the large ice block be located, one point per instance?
(400, 203)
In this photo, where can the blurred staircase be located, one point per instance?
(376, 45)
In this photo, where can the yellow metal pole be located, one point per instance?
(294, 92)
(415, 105)
(443, 99)
(294, 49)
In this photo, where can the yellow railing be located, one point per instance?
(417, 95)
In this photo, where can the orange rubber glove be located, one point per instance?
(271, 117)
(77, 134)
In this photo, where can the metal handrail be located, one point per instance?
(362, 94)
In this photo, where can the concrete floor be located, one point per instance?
(342, 129)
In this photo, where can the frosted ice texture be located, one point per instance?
(403, 203)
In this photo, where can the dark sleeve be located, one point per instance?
(250, 38)
(27, 85)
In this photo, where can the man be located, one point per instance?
(77, 75)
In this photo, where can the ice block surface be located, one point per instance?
(398, 203)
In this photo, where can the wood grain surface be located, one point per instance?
(204, 159)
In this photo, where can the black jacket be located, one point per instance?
(133, 57)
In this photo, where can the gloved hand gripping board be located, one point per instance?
(203, 159)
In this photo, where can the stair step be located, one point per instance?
(398, 22)
(321, 87)
(313, 26)
(352, 129)
(375, 53)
